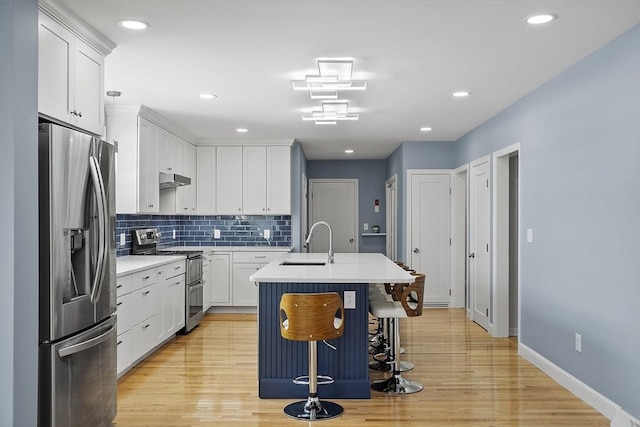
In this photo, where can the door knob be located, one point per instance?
(416, 250)
(472, 255)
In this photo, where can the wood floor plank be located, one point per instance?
(209, 377)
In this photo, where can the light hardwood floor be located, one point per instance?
(209, 378)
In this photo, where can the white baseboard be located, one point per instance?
(622, 419)
(596, 400)
(513, 332)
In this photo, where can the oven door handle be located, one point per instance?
(197, 285)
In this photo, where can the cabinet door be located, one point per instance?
(278, 182)
(171, 306)
(245, 293)
(166, 153)
(148, 178)
(229, 180)
(205, 171)
(206, 289)
(254, 171)
(124, 351)
(179, 305)
(88, 88)
(55, 50)
(144, 337)
(221, 279)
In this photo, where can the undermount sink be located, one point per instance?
(301, 262)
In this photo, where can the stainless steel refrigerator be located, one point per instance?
(77, 294)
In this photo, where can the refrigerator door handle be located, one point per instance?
(77, 348)
(101, 201)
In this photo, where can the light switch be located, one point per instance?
(174, 234)
(529, 235)
(122, 239)
(216, 234)
(365, 226)
(266, 233)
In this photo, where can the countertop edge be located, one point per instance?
(130, 264)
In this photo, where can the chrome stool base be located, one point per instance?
(385, 366)
(313, 410)
(396, 385)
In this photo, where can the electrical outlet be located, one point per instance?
(266, 233)
(216, 234)
(365, 226)
(349, 299)
(174, 234)
(579, 343)
(122, 239)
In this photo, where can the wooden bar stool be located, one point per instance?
(312, 317)
(408, 305)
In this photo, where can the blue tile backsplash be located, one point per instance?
(197, 230)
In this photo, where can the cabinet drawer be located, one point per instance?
(124, 351)
(145, 302)
(256, 256)
(173, 269)
(143, 278)
(126, 313)
(144, 337)
(123, 285)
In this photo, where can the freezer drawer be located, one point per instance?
(78, 379)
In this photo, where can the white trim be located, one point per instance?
(623, 419)
(356, 203)
(500, 247)
(391, 202)
(594, 399)
(459, 259)
(219, 142)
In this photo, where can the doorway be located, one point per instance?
(336, 202)
(459, 282)
(391, 194)
(506, 241)
(428, 233)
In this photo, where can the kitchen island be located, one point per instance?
(280, 360)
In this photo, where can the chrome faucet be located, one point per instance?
(330, 237)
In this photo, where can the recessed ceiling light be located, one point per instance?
(349, 151)
(208, 96)
(133, 24)
(426, 129)
(242, 130)
(461, 94)
(540, 19)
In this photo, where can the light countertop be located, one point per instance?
(347, 268)
(132, 263)
(227, 248)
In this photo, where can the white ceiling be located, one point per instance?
(414, 54)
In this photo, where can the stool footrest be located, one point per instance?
(322, 379)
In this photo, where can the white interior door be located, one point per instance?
(336, 202)
(479, 225)
(392, 216)
(429, 233)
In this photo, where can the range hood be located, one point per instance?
(173, 180)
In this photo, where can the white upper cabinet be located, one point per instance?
(206, 177)
(148, 178)
(186, 195)
(254, 170)
(70, 76)
(278, 180)
(229, 180)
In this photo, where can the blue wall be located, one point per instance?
(580, 193)
(371, 175)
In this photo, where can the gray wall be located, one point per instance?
(18, 212)
(371, 175)
(580, 193)
(415, 155)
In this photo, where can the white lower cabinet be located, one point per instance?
(208, 282)
(245, 292)
(150, 309)
(221, 279)
(173, 299)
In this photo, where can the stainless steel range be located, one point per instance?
(145, 242)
